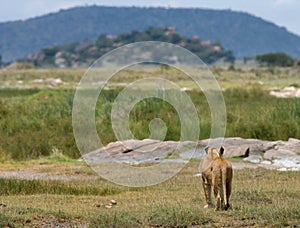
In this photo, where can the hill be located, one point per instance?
(85, 53)
(242, 33)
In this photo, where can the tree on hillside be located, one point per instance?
(276, 59)
(155, 33)
(103, 42)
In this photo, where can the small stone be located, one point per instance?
(113, 202)
(62, 220)
(98, 204)
(108, 206)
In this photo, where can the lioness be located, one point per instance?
(216, 173)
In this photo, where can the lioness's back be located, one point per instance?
(217, 173)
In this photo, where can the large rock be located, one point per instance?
(283, 155)
(141, 151)
(239, 147)
(286, 92)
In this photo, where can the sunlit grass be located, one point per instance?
(260, 198)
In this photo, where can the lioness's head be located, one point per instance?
(214, 153)
(211, 155)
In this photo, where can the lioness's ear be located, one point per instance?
(206, 149)
(221, 151)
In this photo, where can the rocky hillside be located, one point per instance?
(244, 34)
(83, 54)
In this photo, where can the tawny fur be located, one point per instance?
(217, 176)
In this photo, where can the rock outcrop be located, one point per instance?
(280, 155)
(286, 92)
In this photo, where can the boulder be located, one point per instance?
(282, 155)
(278, 153)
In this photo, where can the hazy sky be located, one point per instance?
(282, 12)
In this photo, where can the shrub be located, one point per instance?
(276, 59)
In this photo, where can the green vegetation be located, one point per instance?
(255, 114)
(276, 59)
(260, 198)
(36, 121)
(83, 54)
(31, 126)
(33, 187)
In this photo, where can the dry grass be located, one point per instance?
(267, 77)
(260, 198)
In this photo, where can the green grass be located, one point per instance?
(36, 121)
(31, 126)
(255, 114)
(260, 198)
(10, 93)
(31, 187)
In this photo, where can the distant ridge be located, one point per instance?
(244, 34)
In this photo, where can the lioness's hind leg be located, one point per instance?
(218, 198)
(228, 192)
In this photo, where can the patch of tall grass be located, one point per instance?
(255, 114)
(31, 187)
(32, 125)
(35, 122)
(8, 93)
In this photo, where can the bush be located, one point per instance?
(276, 59)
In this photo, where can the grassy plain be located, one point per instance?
(260, 198)
(36, 123)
